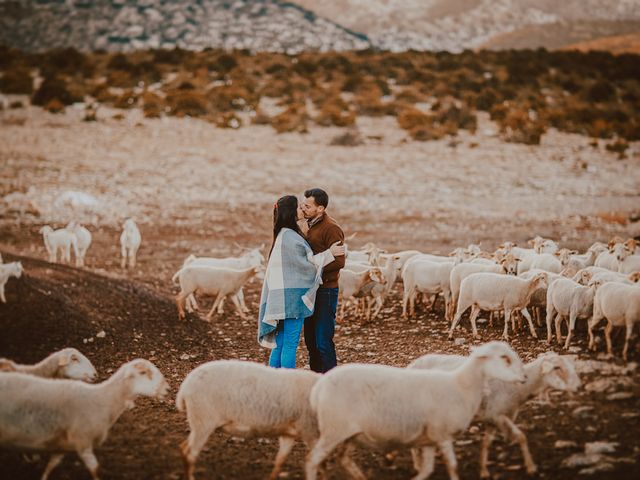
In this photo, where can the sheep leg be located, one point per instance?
(525, 313)
(240, 294)
(191, 303)
(537, 316)
(456, 319)
(449, 455)
(67, 254)
(508, 427)
(607, 335)
(405, 299)
(349, 465)
(487, 439)
(221, 305)
(491, 314)
(54, 461)
(507, 316)
(447, 299)
(286, 444)
(426, 463)
(325, 445)
(475, 311)
(597, 316)
(123, 254)
(90, 461)
(193, 444)
(549, 317)
(2, 297)
(627, 336)
(236, 304)
(572, 325)
(180, 301)
(215, 305)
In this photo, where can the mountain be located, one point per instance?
(294, 26)
(458, 24)
(124, 25)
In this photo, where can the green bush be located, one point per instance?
(54, 88)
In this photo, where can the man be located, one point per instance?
(323, 231)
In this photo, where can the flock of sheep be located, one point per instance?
(422, 407)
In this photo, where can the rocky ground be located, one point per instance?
(194, 188)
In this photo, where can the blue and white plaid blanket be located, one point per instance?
(290, 283)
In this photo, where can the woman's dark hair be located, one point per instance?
(285, 215)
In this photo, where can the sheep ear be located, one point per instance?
(143, 370)
(64, 361)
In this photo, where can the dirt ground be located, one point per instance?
(193, 188)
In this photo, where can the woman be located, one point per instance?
(290, 284)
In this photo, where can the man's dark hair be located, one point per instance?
(319, 196)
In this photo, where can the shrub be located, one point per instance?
(152, 105)
(90, 113)
(486, 99)
(225, 63)
(188, 102)
(427, 133)
(260, 118)
(411, 118)
(460, 117)
(17, 80)
(127, 100)
(170, 57)
(350, 138)
(335, 111)
(53, 88)
(228, 120)
(520, 126)
(601, 91)
(619, 146)
(67, 60)
(54, 106)
(293, 119)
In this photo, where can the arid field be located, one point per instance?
(195, 188)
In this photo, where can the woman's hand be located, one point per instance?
(303, 226)
(337, 250)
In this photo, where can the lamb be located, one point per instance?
(214, 281)
(380, 291)
(508, 264)
(629, 261)
(538, 301)
(252, 258)
(609, 276)
(620, 305)
(571, 258)
(502, 400)
(65, 363)
(61, 239)
(543, 245)
(566, 298)
(492, 291)
(64, 416)
(245, 399)
(350, 283)
(427, 277)
(83, 237)
(130, 240)
(526, 255)
(618, 251)
(8, 270)
(410, 407)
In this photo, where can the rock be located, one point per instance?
(459, 341)
(602, 467)
(565, 444)
(184, 356)
(101, 334)
(600, 385)
(581, 460)
(600, 447)
(620, 396)
(582, 412)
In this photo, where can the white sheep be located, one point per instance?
(543, 245)
(130, 240)
(63, 416)
(538, 301)
(251, 258)
(572, 259)
(350, 283)
(508, 264)
(567, 298)
(65, 363)
(246, 399)
(213, 281)
(493, 292)
(426, 277)
(8, 270)
(526, 255)
(408, 407)
(61, 239)
(502, 400)
(609, 276)
(619, 304)
(83, 237)
(381, 291)
(630, 262)
(546, 262)
(617, 252)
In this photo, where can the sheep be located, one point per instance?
(214, 281)
(543, 245)
(526, 255)
(65, 363)
(350, 283)
(508, 264)
(493, 291)
(63, 416)
(567, 298)
(252, 258)
(617, 252)
(380, 291)
(538, 300)
(502, 400)
(246, 399)
(571, 258)
(8, 270)
(61, 239)
(608, 276)
(546, 262)
(428, 277)
(629, 261)
(83, 241)
(130, 240)
(620, 305)
(410, 407)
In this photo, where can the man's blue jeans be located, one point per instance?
(287, 339)
(319, 329)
